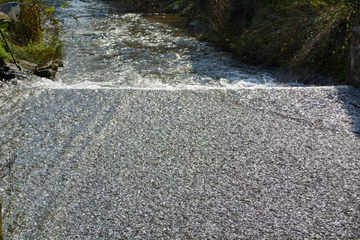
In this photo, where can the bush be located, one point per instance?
(304, 34)
(35, 37)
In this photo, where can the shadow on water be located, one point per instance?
(214, 67)
(350, 98)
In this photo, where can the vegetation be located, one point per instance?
(35, 37)
(298, 34)
(306, 34)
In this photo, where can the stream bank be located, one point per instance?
(304, 38)
(33, 37)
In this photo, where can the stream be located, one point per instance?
(148, 133)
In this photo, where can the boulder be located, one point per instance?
(47, 73)
(27, 65)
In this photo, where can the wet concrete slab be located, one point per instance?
(250, 163)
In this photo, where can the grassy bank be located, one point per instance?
(35, 36)
(310, 35)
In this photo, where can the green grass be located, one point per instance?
(28, 38)
(39, 52)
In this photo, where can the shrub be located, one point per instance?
(304, 34)
(30, 38)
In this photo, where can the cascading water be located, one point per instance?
(147, 133)
(105, 49)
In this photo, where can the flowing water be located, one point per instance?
(110, 50)
(148, 133)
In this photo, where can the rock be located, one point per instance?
(50, 64)
(9, 76)
(2, 61)
(4, 69)
(27, 65)
(357, 21)
(194, 26)
(55, 67)
(355, 38)
(47, 73)
(48, 70)
(356, 29)
(59, 62)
